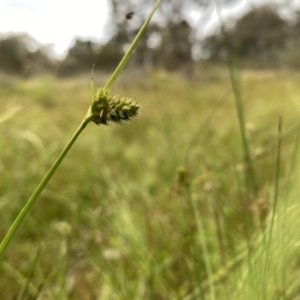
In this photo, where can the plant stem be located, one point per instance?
(132, 47)
(12, 230)
(276, 193)
(250, 176)
(5, 242)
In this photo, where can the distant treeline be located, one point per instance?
(260, 38)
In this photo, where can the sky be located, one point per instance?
(55, 22)
(58, 22)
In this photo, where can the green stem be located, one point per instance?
(14, 227)
(250, 176)
(5, 242)
(132, 47)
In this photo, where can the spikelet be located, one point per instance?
(107, 108)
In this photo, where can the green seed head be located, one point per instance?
(107, 108)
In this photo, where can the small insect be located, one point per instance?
(129, 15)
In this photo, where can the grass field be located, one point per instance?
(161, 208)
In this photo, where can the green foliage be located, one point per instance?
(125, 215)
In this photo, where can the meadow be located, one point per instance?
(165, 207)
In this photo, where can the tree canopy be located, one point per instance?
(261, 37)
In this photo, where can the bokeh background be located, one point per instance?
(195, 199)
(67, 38)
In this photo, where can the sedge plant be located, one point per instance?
(105, 108)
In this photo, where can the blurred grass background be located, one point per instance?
(133, 209)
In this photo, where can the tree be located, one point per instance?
(21, 55)
(291, 54)
(259, 36)
(84, 54)
(175, 48)
(171, 23)
(80, 57)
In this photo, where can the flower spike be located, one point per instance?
(107, 108)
